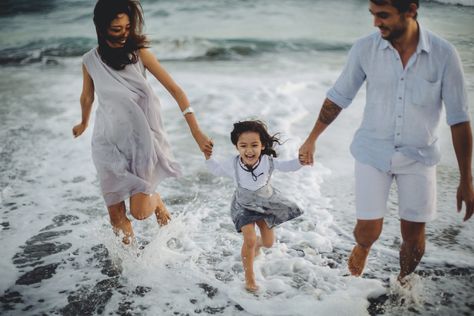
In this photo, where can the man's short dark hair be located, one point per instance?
(401, 5)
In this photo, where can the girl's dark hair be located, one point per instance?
(105, 12)
(260, 128)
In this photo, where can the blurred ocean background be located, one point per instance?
(267, 59)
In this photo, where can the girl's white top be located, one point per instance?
(260, 175)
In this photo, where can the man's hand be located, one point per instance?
(306, 153)
(465, 193)
(462, 142)
(78, 129)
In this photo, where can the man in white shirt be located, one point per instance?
(409, 72)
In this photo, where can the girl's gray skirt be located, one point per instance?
(265, 203)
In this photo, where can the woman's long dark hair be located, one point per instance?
(105, 12)
(258, 127)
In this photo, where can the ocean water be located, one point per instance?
(267, 59)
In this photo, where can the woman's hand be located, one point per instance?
(78, 129)
(204, 143)
(306, 153)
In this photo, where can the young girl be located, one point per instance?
(255, 201)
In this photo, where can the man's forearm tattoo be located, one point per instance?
(329, 112)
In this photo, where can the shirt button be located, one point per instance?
(402, 79)
(398, 134)
(399, 116)
(399, 98)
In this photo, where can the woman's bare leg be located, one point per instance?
(120, 222)
(143, 205)
(162, 214)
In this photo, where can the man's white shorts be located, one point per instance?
(416, 184)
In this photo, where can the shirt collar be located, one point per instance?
(423, 43)
(244, 166)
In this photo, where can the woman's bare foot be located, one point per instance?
(127, 240)
(162, 214)
(357, 260)
(125, 231)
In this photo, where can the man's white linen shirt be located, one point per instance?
(403, 105)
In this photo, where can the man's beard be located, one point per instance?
(397, 32)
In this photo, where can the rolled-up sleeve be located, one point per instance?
(453, 90)
(350, 80)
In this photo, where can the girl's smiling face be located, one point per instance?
(250, 147)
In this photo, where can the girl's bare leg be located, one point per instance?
(267, 239)
(248, 254)
(120, 222)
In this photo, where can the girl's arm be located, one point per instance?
(225, 169)
(151, 63)
(287, 165)
(87, 99)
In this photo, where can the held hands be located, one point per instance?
(465, 193)
(78, 129)
(306, 153)
(207, 156)
(204, 143)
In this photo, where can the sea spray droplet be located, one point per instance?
(174, 243)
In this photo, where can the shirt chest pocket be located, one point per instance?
(426, 93)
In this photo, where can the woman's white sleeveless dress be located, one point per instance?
(129, 144)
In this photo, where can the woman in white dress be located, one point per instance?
(129, 145)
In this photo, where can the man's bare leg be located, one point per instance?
(366, 233)
(413, 247)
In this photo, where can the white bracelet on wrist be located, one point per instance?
(188, 110)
